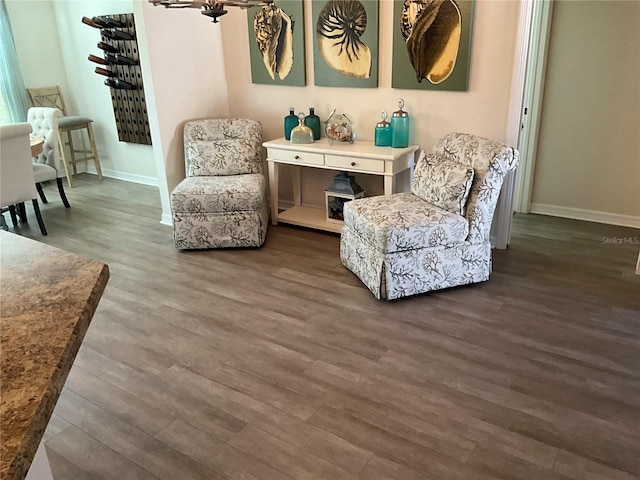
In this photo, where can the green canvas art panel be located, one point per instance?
(432, 44)
(345, 43)
(276, 43)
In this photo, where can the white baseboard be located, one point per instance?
(586, 215)
(127, 177)
(166, 219)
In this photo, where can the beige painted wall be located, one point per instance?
(186, 65)
(588, 160)
(482, 110)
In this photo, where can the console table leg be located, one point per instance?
(389, 184)
(297, 194)
(273, 191)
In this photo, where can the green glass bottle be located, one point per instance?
(313, 122)
(290, 122)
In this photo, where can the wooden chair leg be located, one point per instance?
(72, 151)
(63, 196)
(41, 193)
(14, 217)
(36, 208)
(64, 161)
(3, 223)
(94, 151)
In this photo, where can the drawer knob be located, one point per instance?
(297, 157)
(353, 164)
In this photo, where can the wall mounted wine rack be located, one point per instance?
(119, 64)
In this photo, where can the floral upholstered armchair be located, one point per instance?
(222, 202)
(437, 235)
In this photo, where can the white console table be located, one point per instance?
(360, 157)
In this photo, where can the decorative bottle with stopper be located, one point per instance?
(313, 122)
(400, 127)
(302, 133)
(290, 122)
(383, 132)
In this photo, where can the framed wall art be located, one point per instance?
(432, 44)
(276, 43)
(345, 43)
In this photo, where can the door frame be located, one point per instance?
(533, 94)
(530, 60)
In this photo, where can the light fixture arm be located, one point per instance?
(211, 8)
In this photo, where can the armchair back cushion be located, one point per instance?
(491, 161)
(441, 182)
(218, 147)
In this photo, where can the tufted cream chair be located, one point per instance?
(52, 97)
(48, 165)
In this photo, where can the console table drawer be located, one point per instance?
(288, 156)
(354, 164)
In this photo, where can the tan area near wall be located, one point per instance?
(589, 149)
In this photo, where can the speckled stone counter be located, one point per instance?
(47, 299)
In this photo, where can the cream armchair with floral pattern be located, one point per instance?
(222, 202)
(436, 236)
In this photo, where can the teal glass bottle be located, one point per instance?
(290, 122)
(383, 132)
(313, 122)
(400, 127)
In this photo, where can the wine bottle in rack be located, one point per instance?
(108, 22)
(90, 22)
(96, 59)
(106, 73)
(119, 84)
(105, 47)
(116, 34)
(118, 59)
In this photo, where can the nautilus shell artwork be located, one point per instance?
(431, 30)
(340, 26)
(274, 35)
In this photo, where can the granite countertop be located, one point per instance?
(48, 297)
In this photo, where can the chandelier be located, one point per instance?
(211, 8)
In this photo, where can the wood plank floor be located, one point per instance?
(277, 363)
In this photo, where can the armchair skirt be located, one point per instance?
(400, 245)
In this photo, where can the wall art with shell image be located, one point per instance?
(276, 43)
(345, 43)
(432, 44)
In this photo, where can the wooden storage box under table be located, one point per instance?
(358, 157)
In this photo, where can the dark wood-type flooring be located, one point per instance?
(277, 363)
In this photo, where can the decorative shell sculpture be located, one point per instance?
(274, 35)
(340, 25)
(431, 30)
